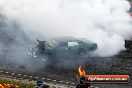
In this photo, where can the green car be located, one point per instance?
(61, 48)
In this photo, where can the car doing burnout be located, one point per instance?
(62, 48)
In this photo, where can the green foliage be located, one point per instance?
(19, 83)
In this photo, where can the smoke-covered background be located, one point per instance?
(105, 22)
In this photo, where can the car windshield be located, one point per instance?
(72, 44)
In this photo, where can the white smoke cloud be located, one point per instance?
(105, 22)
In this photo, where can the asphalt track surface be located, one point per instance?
(121, 64)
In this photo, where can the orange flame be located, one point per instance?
(81, 71)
